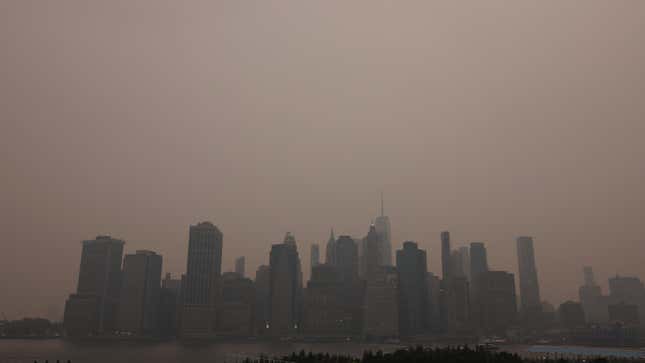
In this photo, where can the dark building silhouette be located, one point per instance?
(169, 306)
(330, 249)
(531, 305)
(140, 291)
(434, 301)
(382, 226)
(446, 261)
(594, 304)
(478, 259)
(262, 295)
(235, 310)
(315, 255)
(496, 301)
(371, 254)
(92, 310)
(624, 314)
(240, 263)
(571, 315)
(346, 259)
(464, 254)
(285, 289)
(412, 267)
(203, 271)
(382, 304)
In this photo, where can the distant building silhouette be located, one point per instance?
(346, 259)
(571, 315)
(240, 263)
(495, 301)
(169, 306)
(382, 303)
(446, 260)
(203, 271)
(594, 304)
(434, 301)
(382, 226)
(529, 284)
(624, 314)
(92, 310)
(315, 255)
(330, 251)
(478, 259)
(371, 253)
(262, 295)
(140, 293)
(285, 289)
(412, 267)
(464, 254)
(235, 309)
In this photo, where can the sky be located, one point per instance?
(490, 119)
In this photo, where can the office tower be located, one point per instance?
(624, 314)
(478, 259)
(382, 304)
(529, 285)
(456, 264)
(627, 289)
(262, 295)
(92, 310)
(330, 252)
(346, 259)
(240, 263)
(496, 302)
(464, 254)
(382, 226)
(322, 307)
(169, 303)
(571, 315)
(140, 293)
(203, 269)
(285, 289)
(434, 300)
(235, 308)
(593, 302)
(412, 266)
(371, 257)
(446, 261)
(315, 255)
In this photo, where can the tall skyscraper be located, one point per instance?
(315, 255)
(464, 254)
(529, 285)
(382, 303)
(593, 302)
(140, 293)
(382, 226)
(169, 305)
(285, 288)
(203, 270)
(371, 256)
(411, 264)
(330, 251)
(496, 308)
(478, 259)
(239, 265)
(346, 259)
(92, 310)
(446, 261)
(262, 295)
(235, 309)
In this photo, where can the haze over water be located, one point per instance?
(490, 119)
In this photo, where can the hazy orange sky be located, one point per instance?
(491, 119)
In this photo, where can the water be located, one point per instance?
(28, 351)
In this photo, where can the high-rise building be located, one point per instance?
(434, 301)
(624, 313)
(464, 254)
(457, 265)
(478, 259)
(529, 285)
(412, 266)
(371, 253)
(315, 255)
(382, 226)
(593, 302)
(235, 310)
(169, 303)
(346, 259)
(140, 293)
(92, 310)
(627, 289)
(571, 315)
(285, 290)
(330, 250)
(262, 295)
(240, 263)
(496, 301)
(382, 303)
(203, 269)
(446, 260)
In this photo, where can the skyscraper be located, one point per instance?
(496, 308)
(285, 288)
(203, 271)
(412, 266)
(478, 259)
(330, 251)
(382, 226)
(235, 309)
(315, 255)
(382, 303)
(262, 294)
(239, 265)
(593, 302)
(529, 285)
(446, 261)
(464, 254)
(92, 310)
(371, 257)
(346, 259)
(140, 292)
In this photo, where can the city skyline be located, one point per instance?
(491, 121)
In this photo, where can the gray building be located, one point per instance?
(382, 226)
(412, 267)
(285, 289)
(446, 260)
(594, 304)
(478, 259)
(382, 304)
(92, 310)
(262, 306)
(330, 249)
(203, 270)
(169, 306)
(371, 258)
(240, 263)
(496, 302)
(235, 310)
(314, 255)
(529, 284)
(346, 259)
(140, 293)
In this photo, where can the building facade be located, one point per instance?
(140, 292)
